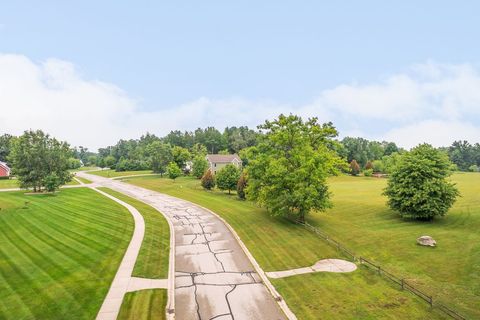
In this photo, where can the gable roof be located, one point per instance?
(3, 164)
(223, 158)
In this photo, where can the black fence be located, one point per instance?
(382, 272)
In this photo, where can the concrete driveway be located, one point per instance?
(214, 278)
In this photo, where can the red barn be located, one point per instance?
(4, 170)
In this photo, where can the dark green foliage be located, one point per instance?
(160, 155)
(35, 156)
(173, 171)
(6, 141)
(288, 174)
(354, 168)
(418, 188)
(227, 178)
(200, 165)
(51, 182)
(464, 155)
(208, 180)
(241, 185)
(363, 150)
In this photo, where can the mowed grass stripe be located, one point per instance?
(55, 259)
(153, 258)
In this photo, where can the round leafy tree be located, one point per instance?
(208, 180)
(418, 188)
(227, 178)
(288, 175)
(200, 165)
(173, 171)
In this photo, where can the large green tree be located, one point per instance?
(38, 160)
(227, 178)
(160, 155)
(199, 167)
(418, 187)
(288, 173)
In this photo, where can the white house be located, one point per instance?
(218, 161)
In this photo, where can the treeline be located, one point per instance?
(155, 153)
(150, 152)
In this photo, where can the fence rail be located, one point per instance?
(382, 272)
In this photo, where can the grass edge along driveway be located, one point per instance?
(278, 245)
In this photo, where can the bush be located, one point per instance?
(418, 188)
(241, 185)
(173, 171)
(369, 165)
(378, 166)
(208, 180)
(200, 165)
(473, 168)
(354, 168)
(51, 182)
(368, 172)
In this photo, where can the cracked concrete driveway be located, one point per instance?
(214, 278)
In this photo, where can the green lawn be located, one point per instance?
(277, 245)
(85, 169)
(152, 261)
(8, 183)
(59, 254)
(84, 180)
(451, 271)
(13, 183)
(112, 173)
(144, 305)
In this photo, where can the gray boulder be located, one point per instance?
(426, 241)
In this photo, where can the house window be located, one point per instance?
(215, 165)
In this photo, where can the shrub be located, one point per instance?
(369, 165)
(173, 171)
(51, 182)
(368, 172)
(208, 180)
(418, 188)
(473, 168)
(241, 185)
(354, 168)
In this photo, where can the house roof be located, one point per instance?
(223, 158)
(3, 164)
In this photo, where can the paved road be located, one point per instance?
(214, 278)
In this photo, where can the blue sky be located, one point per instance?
(220, 63)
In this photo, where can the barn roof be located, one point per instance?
(223, 158)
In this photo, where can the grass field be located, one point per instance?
(8, 183)
(112, 173)
(451, 271)
(152, 261)
(85, 169)
(13, 183)
(277, 245)
(59, 254)
(84, 180)
(144, 305)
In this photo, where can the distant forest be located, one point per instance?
(149, 151)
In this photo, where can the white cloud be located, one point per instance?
(431, 102)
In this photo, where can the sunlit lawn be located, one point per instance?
(277, 245)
